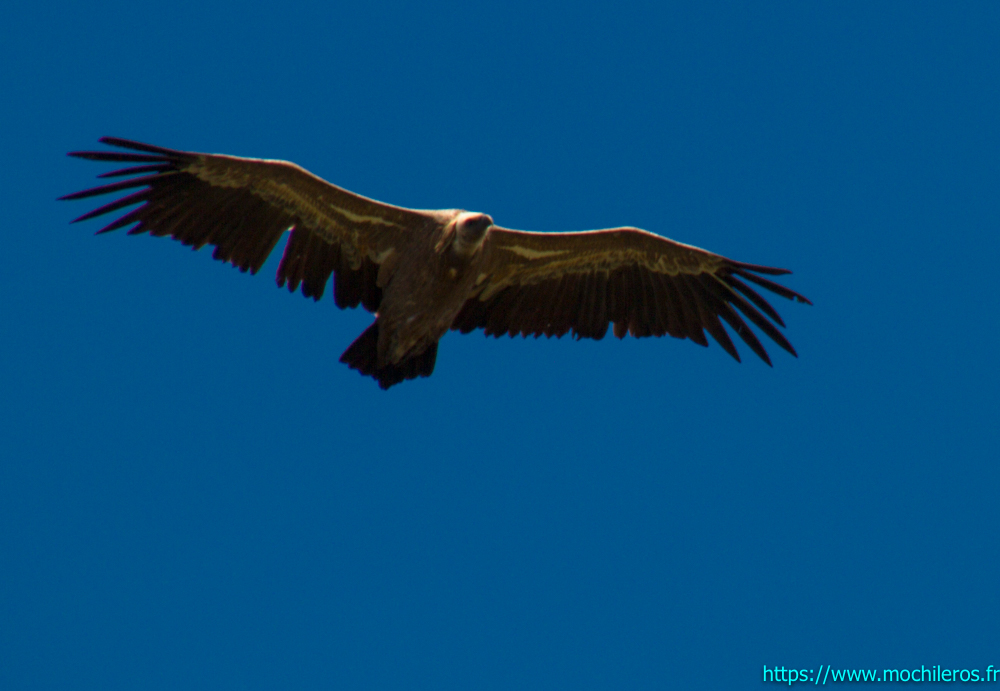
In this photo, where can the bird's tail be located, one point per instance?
(362, 355)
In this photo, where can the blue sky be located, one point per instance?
(194, 492)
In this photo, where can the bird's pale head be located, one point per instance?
(470, 230)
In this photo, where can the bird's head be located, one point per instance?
(470, 231)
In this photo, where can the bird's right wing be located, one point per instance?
(242, 206)
(646, 285)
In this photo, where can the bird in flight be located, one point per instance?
(424, 272)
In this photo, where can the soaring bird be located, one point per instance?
(424, 272)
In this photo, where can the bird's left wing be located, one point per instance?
(242, 206)
(647, 285)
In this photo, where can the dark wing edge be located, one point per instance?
(243, 206)
(594, 279)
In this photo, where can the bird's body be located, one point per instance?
(425, 272)
(422, 296)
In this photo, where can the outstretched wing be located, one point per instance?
(242, 206)
(647, 285)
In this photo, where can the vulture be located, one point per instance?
(424, 272)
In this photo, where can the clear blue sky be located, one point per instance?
(194, 493)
